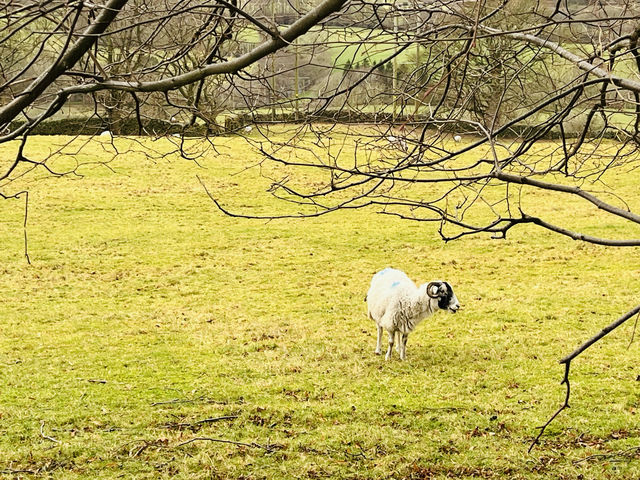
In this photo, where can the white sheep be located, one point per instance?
(397, 142)
(397, 305)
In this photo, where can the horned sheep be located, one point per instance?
(397, 305)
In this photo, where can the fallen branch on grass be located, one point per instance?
(268, 447)
(46, 437)
(567, 364)
(628, 455)
(11, 471)
(139, 448)
(201, 399)
(199, 423)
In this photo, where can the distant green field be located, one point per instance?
(154, 337)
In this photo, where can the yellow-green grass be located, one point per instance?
(146, 308)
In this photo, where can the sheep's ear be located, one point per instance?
(433, 289)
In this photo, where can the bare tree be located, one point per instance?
(459, 97)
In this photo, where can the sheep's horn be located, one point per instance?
(433, 284)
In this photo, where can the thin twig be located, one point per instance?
(628, 453)
(608, 329)
(189, 400)
(26, 214)
(216, 419)
(566, 382)
(268, 448)
(46, 437)
(633, 333)
(169, 402)
(140, 449)
(200, 422)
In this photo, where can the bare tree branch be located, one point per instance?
(581, 63)
(571, 356)
(67, 60)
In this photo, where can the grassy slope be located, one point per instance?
(140, 293)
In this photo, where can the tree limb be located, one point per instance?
(581, 236)
(569, 358)
(66, 61)
(556, 187)
(300, 27)
(578, 61)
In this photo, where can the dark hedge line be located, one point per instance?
(95, 126)
(522, 131)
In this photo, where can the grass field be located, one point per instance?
(154, 337)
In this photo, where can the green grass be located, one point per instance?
(145, 311)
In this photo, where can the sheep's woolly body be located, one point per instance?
(397, 305)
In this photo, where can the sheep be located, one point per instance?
(397, 305)
(457, 138)
(397, 142)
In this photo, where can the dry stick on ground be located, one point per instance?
(567, 364)
(96, 380)
(51, 439)
(202, 399)
(216, 419)
(268, 448)
(199, 423)
(628, 454)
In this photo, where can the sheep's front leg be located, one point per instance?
(390, 349)
(379, 342)
(402, 343)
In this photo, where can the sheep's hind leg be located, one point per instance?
(390, 349)
(402, 345)
(379, 341)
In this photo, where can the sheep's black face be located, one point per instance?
(447, 299)
(444, 295)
